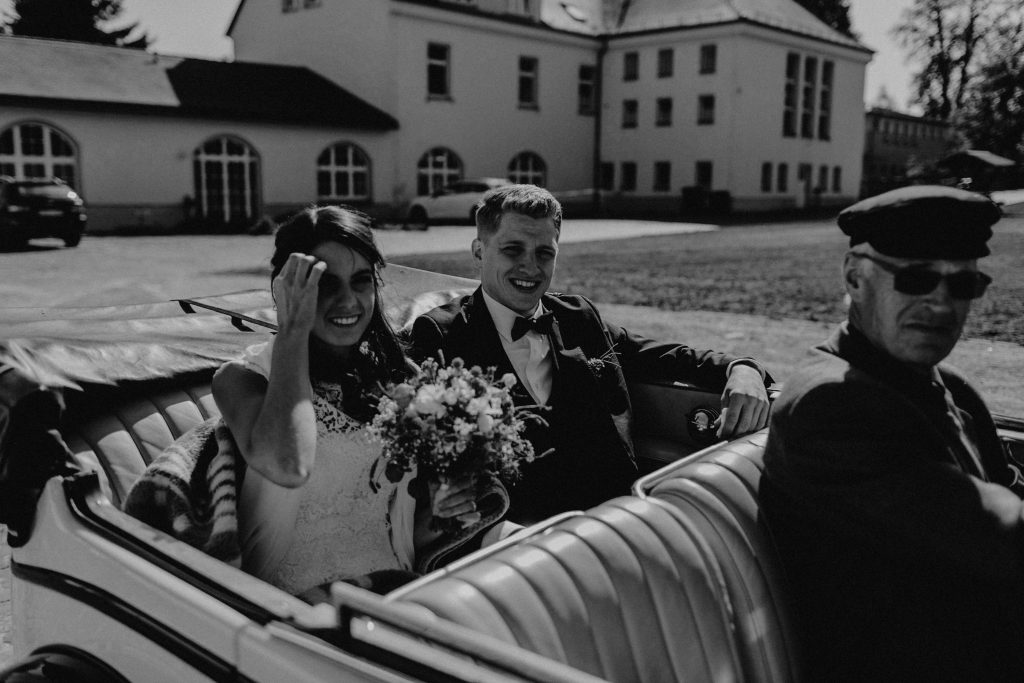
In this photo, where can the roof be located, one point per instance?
(71, 74)
(883, 112)
(617, 17)
(981, 155)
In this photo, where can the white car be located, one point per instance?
(676, 582)
(453, 203)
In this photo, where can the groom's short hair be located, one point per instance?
(529, 200)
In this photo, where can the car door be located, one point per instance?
(447, 203)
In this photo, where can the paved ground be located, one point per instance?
(104, 270)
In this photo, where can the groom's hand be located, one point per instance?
(744, 403)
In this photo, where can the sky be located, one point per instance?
(196, 28)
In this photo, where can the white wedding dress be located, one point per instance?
(346, 520)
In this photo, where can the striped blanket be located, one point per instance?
(189, 491)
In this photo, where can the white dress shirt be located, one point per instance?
(530, 354)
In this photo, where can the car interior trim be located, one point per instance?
(81, 488)
(115, 608)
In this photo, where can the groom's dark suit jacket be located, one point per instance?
(590, 418)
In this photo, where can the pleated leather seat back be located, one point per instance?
(119, 432)
(717, 493)
(628, 591)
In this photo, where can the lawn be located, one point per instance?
(772, 292)
(787, 271)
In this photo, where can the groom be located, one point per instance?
(568, 359)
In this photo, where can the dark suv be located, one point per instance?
(39, 208)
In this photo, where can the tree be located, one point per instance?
(74, 20)
(950, 37)
(835, 13)
(992, 116)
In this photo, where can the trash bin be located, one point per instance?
(720, 201)
(695, 199)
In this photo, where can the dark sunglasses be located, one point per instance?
(919, 279)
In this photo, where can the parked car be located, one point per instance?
(676, 582)
(453, 203)
(40, 208)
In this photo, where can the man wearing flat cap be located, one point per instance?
(898, 517)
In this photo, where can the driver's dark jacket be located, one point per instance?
(590, 416)
(902, 565)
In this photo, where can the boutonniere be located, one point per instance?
(600, 365)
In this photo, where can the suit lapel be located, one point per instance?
(474, 338)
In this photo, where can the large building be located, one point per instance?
(374, 101)
(900, 148)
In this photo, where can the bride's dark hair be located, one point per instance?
(378, 357)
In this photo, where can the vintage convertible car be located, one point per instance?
(677, 582)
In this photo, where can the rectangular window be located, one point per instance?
(825, 101)
(837, 179)
(630, 66)
(629, 113)
(822, 179)
(782, 178)
(708, 58)
(65, 172)
(703, 177)
(528, 70)
(663, 115)
(705, 110)
(766, 177)
(438, 67)
(587, 90)
(35, 171)
(290, 5)
(628, 181)
(790, 95)
(607, 176)
(32, 144)
(662, 176)
(809, 88)
(803, 177)
(666, 62)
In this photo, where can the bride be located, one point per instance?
(314, 506)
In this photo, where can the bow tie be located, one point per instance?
(541, 324)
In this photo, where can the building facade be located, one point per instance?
(372, 102)
(639, 99)
(900, 148)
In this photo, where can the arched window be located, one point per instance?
(35, 150)
(527, 167)
(437, 168)
(343, 173)
(226, 173)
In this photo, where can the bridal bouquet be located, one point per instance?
(449, 422)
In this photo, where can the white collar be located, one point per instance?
(504, 317)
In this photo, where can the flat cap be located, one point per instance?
(923, 221)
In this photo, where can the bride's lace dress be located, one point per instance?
(341, 523)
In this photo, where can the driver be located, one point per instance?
(568, 359)
(896, 512)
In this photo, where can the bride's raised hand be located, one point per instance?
(295, 293)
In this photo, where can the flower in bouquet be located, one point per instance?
(450, 422)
